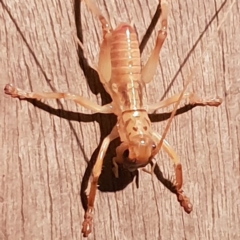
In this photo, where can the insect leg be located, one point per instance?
(190, 97)
(104, 63)
(149, 69)
(21, 94)
(95, 10)
(87, 223)
(183, 199)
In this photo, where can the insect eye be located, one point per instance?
(126, 153)
(135, 129)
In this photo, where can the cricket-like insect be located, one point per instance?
(123, 77)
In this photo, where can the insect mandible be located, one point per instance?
(123, 77)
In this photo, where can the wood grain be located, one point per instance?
(46, 146)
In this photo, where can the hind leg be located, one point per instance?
(104, 62)
(150, 68)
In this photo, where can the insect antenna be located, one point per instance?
(190, 77)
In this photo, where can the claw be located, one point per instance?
(10, 90)
(184, 201)
(87, 223)
(14, 92)
(215, 102)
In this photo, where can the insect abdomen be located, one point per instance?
(126, 67)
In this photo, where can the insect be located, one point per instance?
(123, 77)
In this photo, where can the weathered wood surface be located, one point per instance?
(45, 148)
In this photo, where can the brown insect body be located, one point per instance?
(126, 91)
